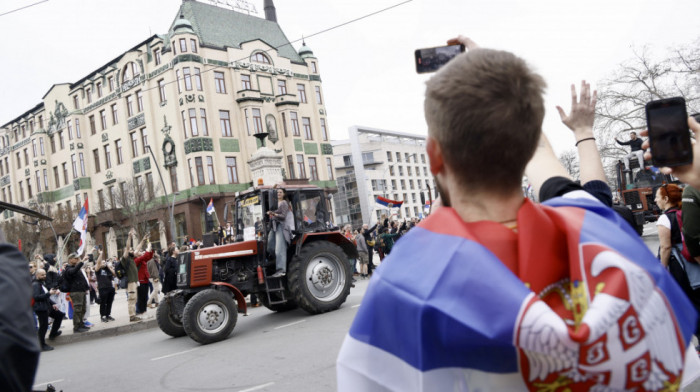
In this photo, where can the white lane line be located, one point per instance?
(172, 355)
(356, 306)
(46, 383)
(258, 387)
(289, 325)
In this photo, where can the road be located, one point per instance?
(268, 351)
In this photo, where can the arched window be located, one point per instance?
(260, 58)
(131, 70)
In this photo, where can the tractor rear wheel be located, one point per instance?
(210, 316)
(319, 278)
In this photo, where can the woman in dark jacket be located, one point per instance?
(170, 281)
(45, 308)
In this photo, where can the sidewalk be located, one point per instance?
(119, 326)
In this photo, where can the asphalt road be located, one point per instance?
(267, 351)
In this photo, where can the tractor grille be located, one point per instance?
(199, 272)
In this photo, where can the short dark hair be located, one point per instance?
(485, 110)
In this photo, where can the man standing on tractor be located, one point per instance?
(281, 233)
(635, 144)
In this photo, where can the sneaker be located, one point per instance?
(103, 319)
(278, 274)
(46, 347)
(110, 318)
(88, 324)
(80, 330)
(52, 336)
(134, 318)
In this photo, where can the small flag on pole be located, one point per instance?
(388, 203)
(80, 225)
(210, 207)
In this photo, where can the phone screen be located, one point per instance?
(669, 136)
(431, 59)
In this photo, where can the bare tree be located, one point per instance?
(569, 159)
(135, 197)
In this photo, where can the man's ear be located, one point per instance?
(437, 163)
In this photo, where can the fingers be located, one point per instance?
(562, 113)
(594, 99)
(573, 96)
(466, 41)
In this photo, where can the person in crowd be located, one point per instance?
(170, 280)
(637, 151)
(154, 272)
(541, 290)
(347, 233)
(105, 276)
(230, 235)
(132, 272)
(281, 233)
(369, 240)
(363, 253)
(32, 269)
(141, 261)
(45, 308)
(691, 221)
(79, 286)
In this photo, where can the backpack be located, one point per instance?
(119, 270)
(63, 284)
(679, 218)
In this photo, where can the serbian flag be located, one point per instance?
(210, 207)
(80, 225)
(572, 298)
(388, 203)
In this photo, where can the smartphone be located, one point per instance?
(431, 59)
(669, 135)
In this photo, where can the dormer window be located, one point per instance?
(156, 54)
(183, 45)
(260, 58)
(131, 70)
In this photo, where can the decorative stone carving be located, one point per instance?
(137, 121)
(271, 124)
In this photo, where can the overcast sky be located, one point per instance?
(367, 67)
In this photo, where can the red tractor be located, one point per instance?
(212, 283)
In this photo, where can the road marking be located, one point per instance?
(356, 306)
(258, 387)
(46, 383)
(172, 355)
(289, 325)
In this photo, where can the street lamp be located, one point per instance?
(172, 217)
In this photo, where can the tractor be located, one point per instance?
(212, 283)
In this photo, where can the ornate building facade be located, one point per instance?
(170, 123)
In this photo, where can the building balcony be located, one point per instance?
(111, 217)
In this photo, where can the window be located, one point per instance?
(69, 126)
(183, 45)
(290, 163)
(41, 121)
(302, 93)
(300, 165)
(347, 160)
(134, 144)
(93, 128)
(403, 184)
(108, 157)
(65, 173)
(115, 117)
(257, 121)
(295, 123)
(260, 58)
(284, 125)
(118, 147)
(391, 170)
(110, 82)
(410, 184)
(200, 170)
(101, 199)
(198, 79)
(282, 87)
(193, 45)
(88, 95)
(34, 149)
(129, 105)
(193, 122)
(103, 119)
(184, 123)
(210, 170)
(398, 157)
(388, 156)
(99, 90)
(96, 159)
(329, 169)
(393, 184)
(425, 171)
(29, 189)
(156, 54)
(247, 121)
(420, 184)
(401, 170)
(161, 90)
(74, 165)
(131, 71)
(188, 78)
(172, 45)
(26, 157)
(245, 82)
(422, 158)
(81, 158)
(77, 128)
(144, 139)
(231, 170)
(225, 122)
(219, 82)
(318, 95)
(408, 170)
(203, 115)
(324, 131)
(306, 123)
(179, 81)
(21, 191)
(313, 169)
(38, 181)
(173, 179)
(313, 67)
(407, 155)
(76, 102)
(139, 101)
(149, 184)
(56, 178)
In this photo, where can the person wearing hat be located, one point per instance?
(78, 283)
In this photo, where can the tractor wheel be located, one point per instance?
(289, 305)
(319, 278)
(210, 316)
(166, 315)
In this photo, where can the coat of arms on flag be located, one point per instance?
(388, 203)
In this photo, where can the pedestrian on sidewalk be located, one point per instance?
(154, 271)
(132, 273)
(141, 261)
(105, 276)
(44, 308)
(78, 287)
(170, 281)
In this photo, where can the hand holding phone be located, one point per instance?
(669, 136)
(431, 59)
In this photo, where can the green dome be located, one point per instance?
(305, 51)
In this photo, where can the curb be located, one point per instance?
(103, 333)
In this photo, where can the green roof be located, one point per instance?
(219, 28)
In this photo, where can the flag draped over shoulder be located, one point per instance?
(475, 306)
(210, 207)
(388, 203)
(80, 225)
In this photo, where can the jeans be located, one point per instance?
(141, 297)
(43, 317)
(106, 300)
(277, 237)
(639, 154)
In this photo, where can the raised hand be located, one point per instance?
(580, 120)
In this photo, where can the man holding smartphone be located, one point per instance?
(637, 151)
